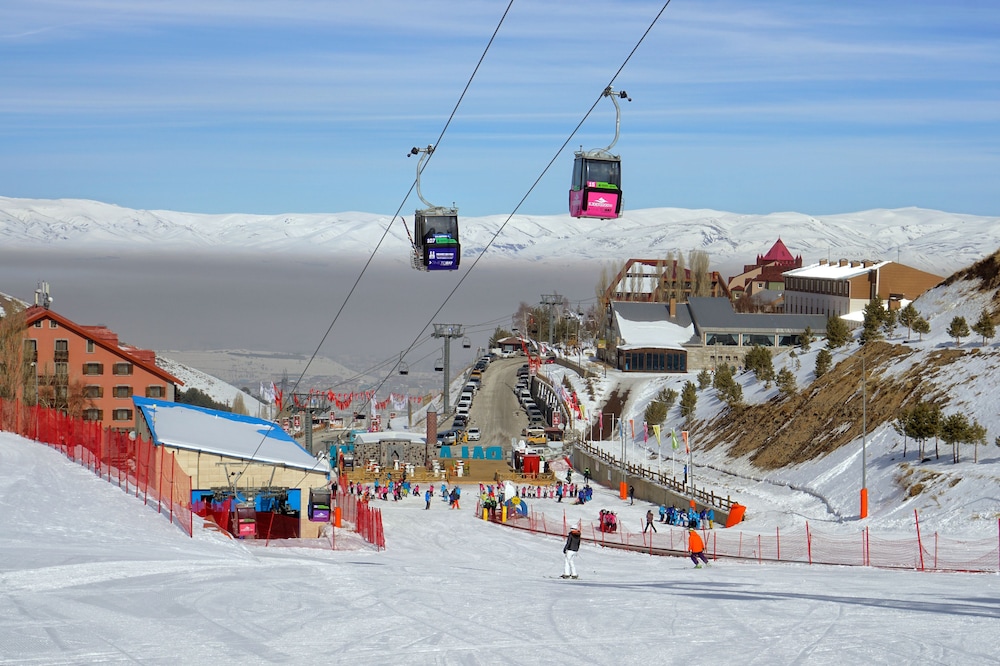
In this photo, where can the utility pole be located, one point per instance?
(309, 404)
(550, 300)
(447, 331)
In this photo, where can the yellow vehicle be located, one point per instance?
(536, 436)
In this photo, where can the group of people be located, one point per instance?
(398, 490)
(704, 519)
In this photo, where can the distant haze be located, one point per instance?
(284, 304)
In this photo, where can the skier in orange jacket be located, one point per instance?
(697, 548)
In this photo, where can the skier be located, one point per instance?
(649, 521)
(697, 548)
(663, 514)
(631, 495)
(427, 498)
(586, 476)
(570, 550)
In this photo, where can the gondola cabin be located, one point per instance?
(245, 521)
(319, 505)
(436, 237)
(596, 188)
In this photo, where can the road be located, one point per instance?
(495, 409)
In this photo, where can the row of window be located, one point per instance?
(116, 415)
(749, 340)
(122, 391)
(119, 369)
(665, 361)
(818, 286)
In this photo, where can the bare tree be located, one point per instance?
(701, 281)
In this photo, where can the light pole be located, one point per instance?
(864, 439)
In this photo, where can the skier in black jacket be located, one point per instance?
(569, 551)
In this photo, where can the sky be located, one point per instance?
(308, 106)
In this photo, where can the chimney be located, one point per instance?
(673, 307)
(432, 427)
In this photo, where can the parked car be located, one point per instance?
(473, 434)
(460, 421)
(447, 437)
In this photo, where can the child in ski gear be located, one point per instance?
(663, 514)
(649, 521)
(570, 550)
(697, 548)
(427, 498)
(631, 495)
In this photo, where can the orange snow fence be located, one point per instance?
(736, 512)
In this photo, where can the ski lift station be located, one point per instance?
(247, 461)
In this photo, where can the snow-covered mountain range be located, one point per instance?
(930, 240)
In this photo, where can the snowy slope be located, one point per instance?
(214, 387)
(98, 577)
(935, 241)
(962, 500)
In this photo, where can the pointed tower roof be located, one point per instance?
(778, 252)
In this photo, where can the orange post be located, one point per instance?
(623, 490)
(864, 502)
(336, 516)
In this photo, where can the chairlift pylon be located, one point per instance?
(596, 188)
(435, 229)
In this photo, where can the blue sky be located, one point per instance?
(309, 106)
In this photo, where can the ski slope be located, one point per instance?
(90, 575)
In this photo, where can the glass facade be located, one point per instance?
(653, 361)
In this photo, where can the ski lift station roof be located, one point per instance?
(225, 434)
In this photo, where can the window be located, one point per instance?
(123, 391)
(122, 369)
(93, 415)
(93, 368)
(53, 323)
(31, 351)
(38, 324)
(62, 351)
(121, 415)
(62, 370)
(90, 346)
(156, 391)
(93, 391)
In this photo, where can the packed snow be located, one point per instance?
(91, 575)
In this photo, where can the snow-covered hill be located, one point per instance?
(213, 387)
(935, 241)
(962, 500)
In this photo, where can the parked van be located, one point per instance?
(466, 397)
